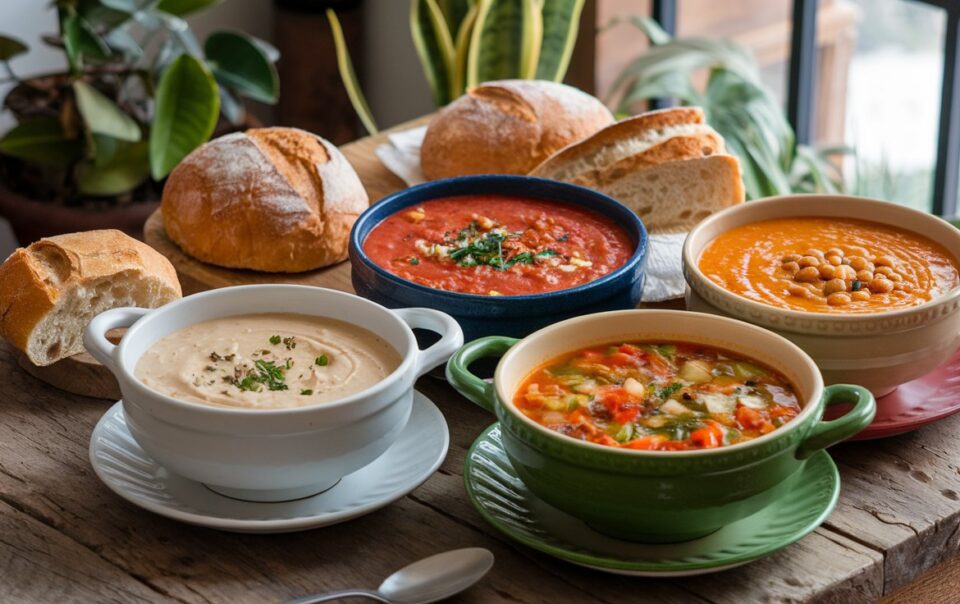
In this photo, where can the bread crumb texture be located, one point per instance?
(51, 290)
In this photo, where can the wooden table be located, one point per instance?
(65, 537)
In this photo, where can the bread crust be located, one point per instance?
(673, 149)
(268, 199)
(508, 127)
(624, 129)
(33, 279)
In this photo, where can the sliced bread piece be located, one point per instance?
(690, 146)
(674, 196)
(623, 139)
(51, 290)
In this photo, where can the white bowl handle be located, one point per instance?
(95, 336)
(451, 336)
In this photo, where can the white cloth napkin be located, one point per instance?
(401, 155)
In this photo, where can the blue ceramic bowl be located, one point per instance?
(515, 316)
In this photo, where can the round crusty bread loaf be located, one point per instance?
(508, 127)
(268, 199)
(51, 290)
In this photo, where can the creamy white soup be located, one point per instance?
(267, 361)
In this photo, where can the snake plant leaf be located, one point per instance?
(434, 46)
(238, 62)
(461, 50)
(454, 12)
(128, 167)
(349, 76)
(561, 22)
(184, 7)
(505, 41)
(102, 115)
(10, 48)
(187, 108)
(43, 141)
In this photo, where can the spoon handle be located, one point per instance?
(342, 593)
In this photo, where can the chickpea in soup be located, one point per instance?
(829, 265)
(658, 396)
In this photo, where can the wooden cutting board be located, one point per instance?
(80, 374)
(196, 276)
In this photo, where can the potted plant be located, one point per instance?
(462, 43)
(91, 145)
(736, 103)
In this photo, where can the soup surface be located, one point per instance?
(657, 396)
(498, 245)
(829, 265)
(266, 361)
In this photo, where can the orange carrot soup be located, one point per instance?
(664, 396)
(498, 245)
(829, 265)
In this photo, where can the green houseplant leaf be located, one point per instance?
(434, 45)
(561, 22)
(461, 50)
(238, 62)
(188, 105)
(42, 141)
(349, 76)
(11, 47)
(505, 41)
(184, 7)
(454, 12)
(102, 116)
(128, 167)
(81, 42)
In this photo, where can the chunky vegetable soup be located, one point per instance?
(657, 396)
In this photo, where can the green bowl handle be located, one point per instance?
(480, 392)
(824, 434)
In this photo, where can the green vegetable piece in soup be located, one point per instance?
(657, 396)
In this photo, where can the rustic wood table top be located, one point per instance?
(65, 537)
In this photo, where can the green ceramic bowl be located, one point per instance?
(657, 496)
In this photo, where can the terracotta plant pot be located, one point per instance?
(32, 219)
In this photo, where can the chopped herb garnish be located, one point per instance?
(414, 260)
(215, 357)
(666, 392)
(230, 356)
(289, 363)
(290, 342)
(264, 373)
(322, 360)
(275, 340)
(307, 391)
(209, 368)
(564, 237)
(855, 286)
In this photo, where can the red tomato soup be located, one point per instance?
(498, 245)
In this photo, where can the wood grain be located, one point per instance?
(65, 537)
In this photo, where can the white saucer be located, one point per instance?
(127, 470)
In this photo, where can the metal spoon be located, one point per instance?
(428, 580)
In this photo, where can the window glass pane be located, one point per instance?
(883, 98)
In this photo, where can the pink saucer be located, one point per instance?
(914, 404)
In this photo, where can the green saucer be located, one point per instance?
(504, 501)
